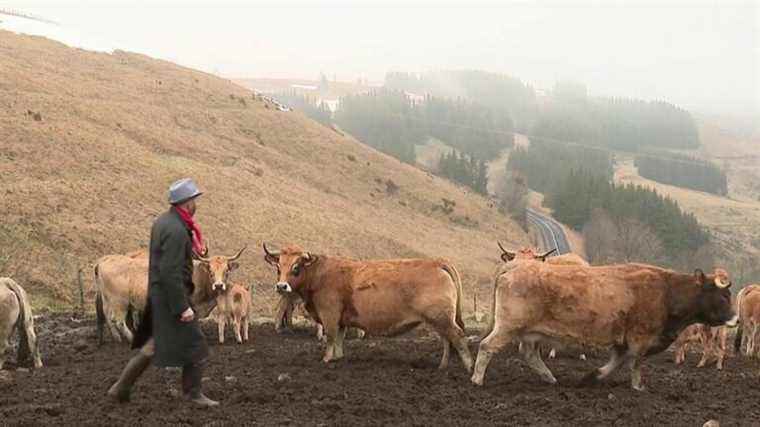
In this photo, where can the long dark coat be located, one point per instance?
(170, 287)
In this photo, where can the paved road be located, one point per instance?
(552, 234)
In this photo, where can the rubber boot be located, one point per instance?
(192, 376)
(121, 389)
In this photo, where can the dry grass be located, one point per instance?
(89, 178)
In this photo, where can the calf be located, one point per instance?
(712, 340)
(234, 306)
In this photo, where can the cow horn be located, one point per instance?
(720, 283)
(273, 254)
(506, 252)
(544, 255)
(240, 252)
(197, 256)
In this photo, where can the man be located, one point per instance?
(169, 333)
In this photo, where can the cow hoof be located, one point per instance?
(476, 381)
(549, 380)
(639, 388)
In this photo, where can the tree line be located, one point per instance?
(466, 170)
(545, 164)
(498, 92)
(620, 223)
(625, 223)
(393, 123)
(615, 123)
(683, 171)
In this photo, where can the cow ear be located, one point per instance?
(309, 259)
(506, 257)
(273, 260)
(232, 266)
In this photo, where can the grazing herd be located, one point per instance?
(633, 310)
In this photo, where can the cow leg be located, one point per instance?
(339, 339)
(459, 341)
(680, 354)
(636, 374)
(220, 324)
(492, 344)
(321, 333)
(111, 319)
(237, 326)
(283, 315)
(617, 358)
(446, 351)
(533, 358)
(245, 329)
(123, 329)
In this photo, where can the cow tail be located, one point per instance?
(454, 273)
(28, 339)
(99, 311)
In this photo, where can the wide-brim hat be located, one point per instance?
(183, 190)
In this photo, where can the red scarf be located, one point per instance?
(198, 245)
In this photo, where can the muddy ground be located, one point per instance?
(382, 382)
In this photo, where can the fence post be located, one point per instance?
(81, 293)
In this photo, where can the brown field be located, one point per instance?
(280, 380)
(91, 174)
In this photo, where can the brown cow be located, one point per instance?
(634, 309)
(121, 284)
(386, 297)
(16, 312)
(742, 340)
(750, 321)
(233, 305)
(712, 340)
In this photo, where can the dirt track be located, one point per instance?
(382, 382)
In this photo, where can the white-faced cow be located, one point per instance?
(635, 310)
(16, 312)
(121, 283)
(386, 297)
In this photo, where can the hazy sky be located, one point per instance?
(701, 54)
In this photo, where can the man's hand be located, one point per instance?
(187, 315)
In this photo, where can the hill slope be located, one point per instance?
(90, 142)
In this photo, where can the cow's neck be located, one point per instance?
(681, 305)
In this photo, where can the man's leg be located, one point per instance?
(192, 376)
(121, 389)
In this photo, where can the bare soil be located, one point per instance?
(381, 382)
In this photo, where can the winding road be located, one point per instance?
(552, 234)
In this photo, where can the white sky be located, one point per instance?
(700, 54)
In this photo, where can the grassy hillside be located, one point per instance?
(90, 142)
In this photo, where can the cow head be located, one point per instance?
(714, 301)
(218, 269)
(523, 254)
(291, 263)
